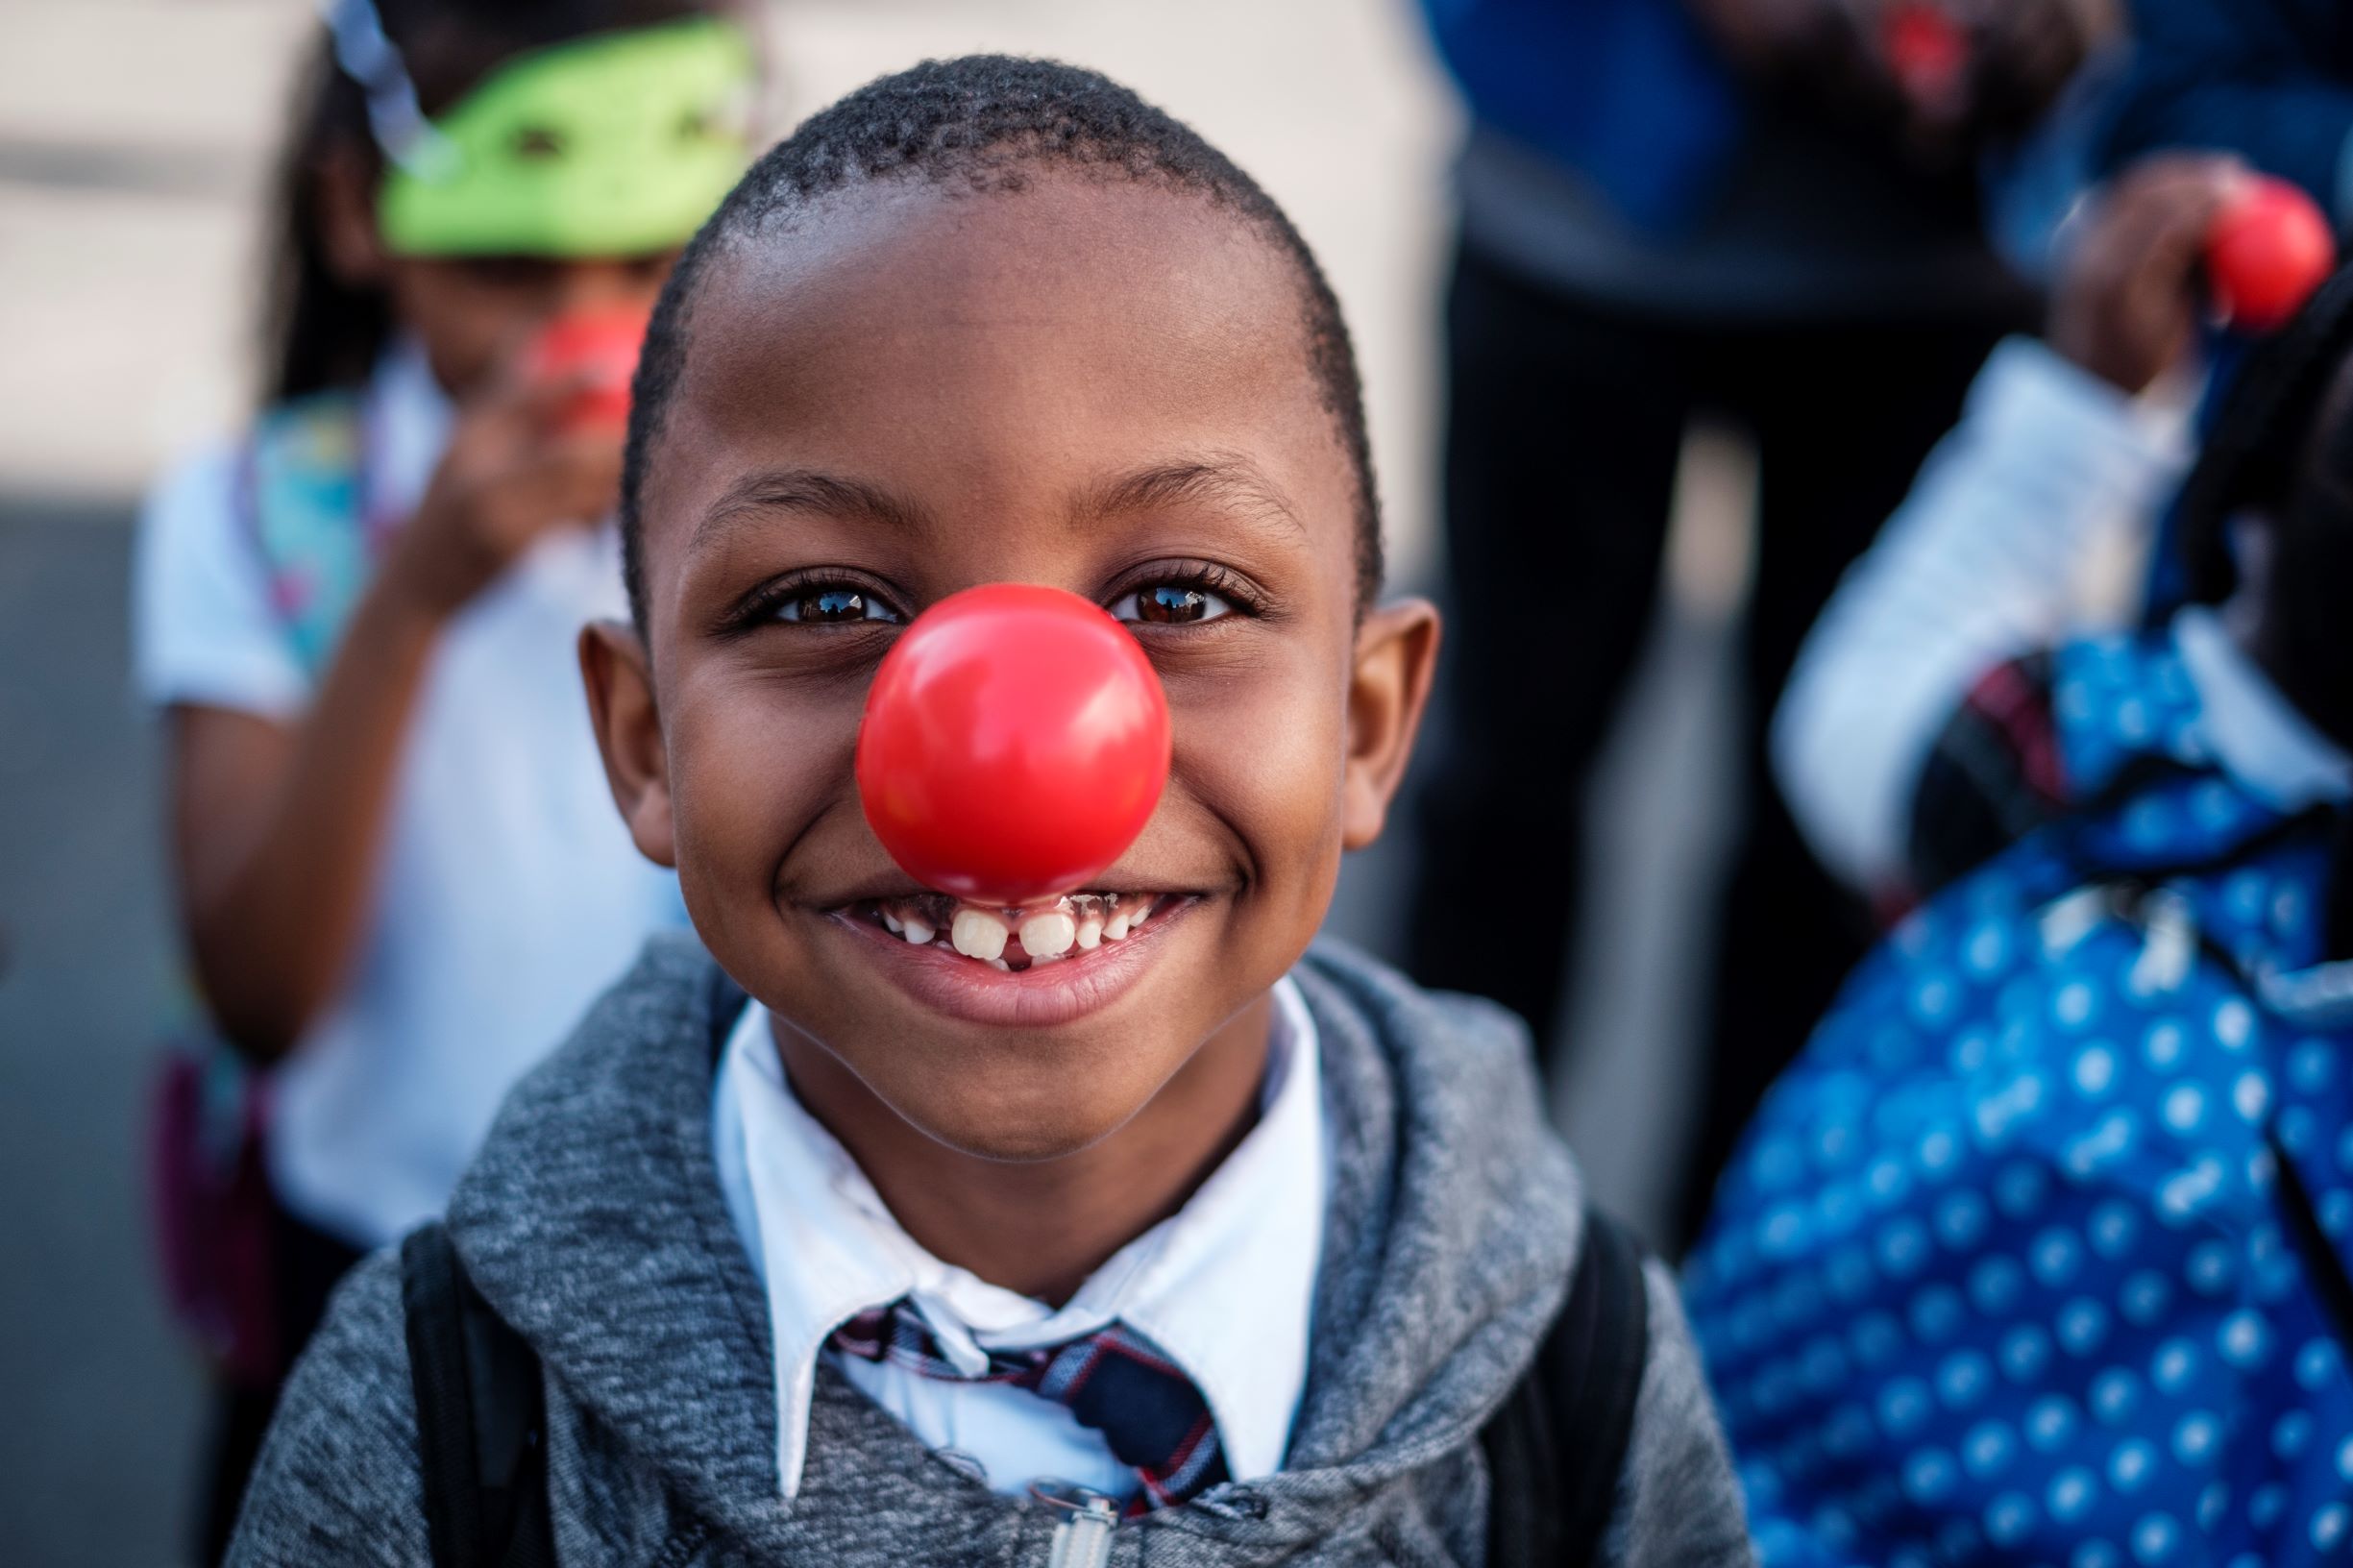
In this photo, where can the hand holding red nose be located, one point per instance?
(1015, 742)
(1927, 53)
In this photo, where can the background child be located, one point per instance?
(1251, 1245)
(399, 878)
(2033, 521)
(1726, 209)
(2038, 1255)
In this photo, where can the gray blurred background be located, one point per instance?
(135, 137)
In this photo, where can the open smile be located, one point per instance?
(1016, 940)
(1034, 968)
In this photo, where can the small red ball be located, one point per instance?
(1927, 51)
(602, 343)
(2269, 248)
(1015, 742)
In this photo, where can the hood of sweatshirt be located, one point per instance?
(593, 1222)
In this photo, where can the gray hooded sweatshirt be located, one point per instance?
(593, 1222)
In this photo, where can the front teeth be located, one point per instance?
(977, 934)
(1001, 938)
(1048, 935)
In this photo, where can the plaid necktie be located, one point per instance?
(1112, 1381)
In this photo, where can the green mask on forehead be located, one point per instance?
(615, 145)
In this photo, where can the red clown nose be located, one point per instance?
(2269, 249)
(1015, 742)
(1927, 52)
(601, 345)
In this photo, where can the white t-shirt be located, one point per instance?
(509, 894)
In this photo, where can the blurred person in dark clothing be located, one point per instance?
(1752, 209)
(2268, 80)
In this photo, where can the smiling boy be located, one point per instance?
(832, 1236)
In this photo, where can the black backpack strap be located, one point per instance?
(1555, 1447)
(480, 1417)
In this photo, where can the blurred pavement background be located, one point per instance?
(135, 138)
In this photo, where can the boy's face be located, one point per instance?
(1100, 386)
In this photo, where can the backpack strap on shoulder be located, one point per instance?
(482, 1419)
(1556, 1448)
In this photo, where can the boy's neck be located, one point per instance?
(1041, 1227)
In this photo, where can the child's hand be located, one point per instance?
(514, 471)
(2127, 299)
(1960, 74)
(1942, 76)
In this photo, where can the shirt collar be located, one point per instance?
(1246, 1245)
(2254, 733)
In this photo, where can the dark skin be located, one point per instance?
(2021, 54)
(277, 826)
(984, 378)
(2127, 302)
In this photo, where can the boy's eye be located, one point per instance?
(1170, 603)
(835, 606)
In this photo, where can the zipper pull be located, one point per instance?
(1083, 1539)
(2172, 946)
(2066, 921)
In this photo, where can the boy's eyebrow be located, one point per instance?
(1224, 478)
(804, 490)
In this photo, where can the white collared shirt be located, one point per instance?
(1223, 1287)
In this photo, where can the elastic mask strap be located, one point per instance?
(371, 59)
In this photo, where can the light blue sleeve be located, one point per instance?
(1985, 559)
(203, 630)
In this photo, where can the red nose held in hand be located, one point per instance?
(2269, 249)
(1015, 742)
(601, 344)
(1927, 52)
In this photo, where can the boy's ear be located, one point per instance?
(1397, 650)
(343, 185)
(621, 704)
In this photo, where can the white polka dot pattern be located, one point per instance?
(2000, 1276)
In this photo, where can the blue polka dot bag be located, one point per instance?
(2036, 1257)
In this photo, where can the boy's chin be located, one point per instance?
(1031, 1119)
(1033, 1143)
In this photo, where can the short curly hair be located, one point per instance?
(983, 122)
